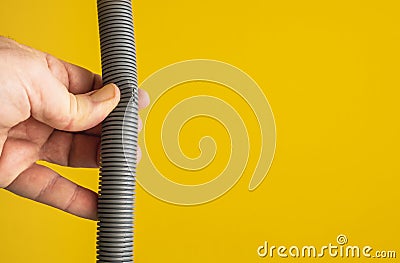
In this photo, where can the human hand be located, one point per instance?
(50, 110)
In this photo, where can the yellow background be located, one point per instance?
(330, 70)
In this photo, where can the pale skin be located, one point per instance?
(51, 110)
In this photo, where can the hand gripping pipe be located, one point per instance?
(119, 134)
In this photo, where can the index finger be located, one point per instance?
(76, 79)
(81, 80)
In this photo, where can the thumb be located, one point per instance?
(65, 111)
(3, 138)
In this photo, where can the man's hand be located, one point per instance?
(44, 100)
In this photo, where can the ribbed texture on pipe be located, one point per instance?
(119, 134)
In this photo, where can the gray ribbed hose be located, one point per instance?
(119, 134)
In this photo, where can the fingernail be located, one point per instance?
(105, 93)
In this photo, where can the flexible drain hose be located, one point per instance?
(119, 134)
